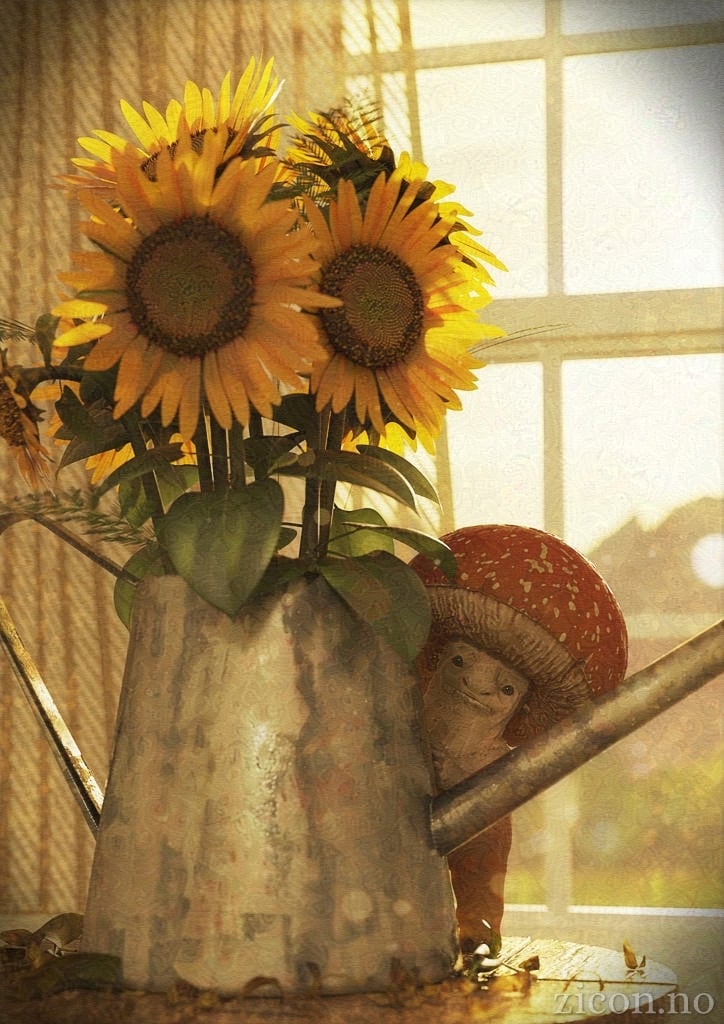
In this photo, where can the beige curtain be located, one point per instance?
(66, 64)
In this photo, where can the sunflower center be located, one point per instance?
(190, 286)
(381, 319)
(11, 424)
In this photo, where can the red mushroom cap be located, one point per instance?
(536, 603)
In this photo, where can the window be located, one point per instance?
(585, 139)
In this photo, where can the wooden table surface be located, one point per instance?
(573, 984)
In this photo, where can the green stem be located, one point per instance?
(237, 464)
(150, 484)
(203, 457)
(309, 543)
(335, 436)
(256, 427)
(35, 375)
(218, 456)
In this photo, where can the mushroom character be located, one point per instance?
(526, 632)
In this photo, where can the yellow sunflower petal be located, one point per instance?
(189, 399)
(215, 391)
(139, 126)
(80, 309)
(367, 398)
(83, 333)
(345, 217)
(234, 385)
(110, 348)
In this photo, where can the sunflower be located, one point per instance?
(19, 426)
(344, 142)
(198, 292)
(474, 255)
(399, 344)
(244, 120)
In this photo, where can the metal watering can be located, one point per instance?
(360, 887)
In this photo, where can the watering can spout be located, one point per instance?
(478, 802)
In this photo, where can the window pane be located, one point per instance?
(496, 448)
(483, 130)
(641, 437)
(642, 443)
(642, 170)
(366, 27)
(459, 22)
(594, 16)
(654, 838)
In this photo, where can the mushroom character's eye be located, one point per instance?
(457, 660)
(508, 690)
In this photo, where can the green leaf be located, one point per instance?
(92, 427)
(45, 328)
(417, 480)
(298, 412)
(222, 542)
(286, 535)
(135, 505)
(79, 449)
(280, 572)
(173, 481)
(352, 537)
(352, 468)
(262, 453)
(387, 594)
(149, 561)
(150, 461)
(371, 538)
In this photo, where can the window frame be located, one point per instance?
(551, 330)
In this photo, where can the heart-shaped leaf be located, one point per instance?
(222, 542)
(387, 594)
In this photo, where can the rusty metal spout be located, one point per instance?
(477, 803)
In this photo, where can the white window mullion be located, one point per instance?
(554, 146)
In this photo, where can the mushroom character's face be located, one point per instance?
(470, 680)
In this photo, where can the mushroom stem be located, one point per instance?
(479, 801)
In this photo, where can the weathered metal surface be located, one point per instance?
(81, 780)
(267, 806)
(499, 788)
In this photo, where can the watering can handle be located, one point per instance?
(77, 773)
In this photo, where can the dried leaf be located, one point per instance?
(259, 981)
(630, 958)
(78, 970)
(63, 929)
(18, 937)
(510, 984)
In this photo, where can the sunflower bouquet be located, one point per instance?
(266, 311)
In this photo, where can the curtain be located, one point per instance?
(66, 65)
